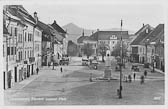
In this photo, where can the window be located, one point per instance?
(12, 51)
(8, 51)
(20, 37)
(25, 36)
(147, 31)
(3, 51)
(25, 54)
(11, 30)
(15, 31)
(28, 53)
(15, 50)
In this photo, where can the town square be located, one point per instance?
(58, 55)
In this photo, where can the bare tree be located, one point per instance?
(117, 50)
(87, 49)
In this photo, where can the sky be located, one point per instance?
(101, 14)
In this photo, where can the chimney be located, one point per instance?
(143, 24)
(55, 22)
(97, 30)
(35, 17)
(83, 33)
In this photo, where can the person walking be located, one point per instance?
(37, 70)
(134, 75)
(61, 69)
(145, 73)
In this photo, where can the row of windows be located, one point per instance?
(11, 51)
(13, 31)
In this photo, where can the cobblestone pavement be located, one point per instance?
(51, 87)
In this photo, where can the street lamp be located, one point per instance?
(153, 57)
(121, 62)
(146, 46)
(53, 60)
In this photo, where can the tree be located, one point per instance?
(72, 48)
(102, 48)
(87, 49)
(117, 50)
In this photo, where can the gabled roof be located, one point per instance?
(105, 35)
(141, 34)
(20, 12)
(46, 29)
(157, 32)
(57, 27)
(46, 36)
(80, 39)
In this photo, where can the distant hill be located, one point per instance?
(74, 31)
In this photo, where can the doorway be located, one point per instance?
(15, 74)
(9, 79)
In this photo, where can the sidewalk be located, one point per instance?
(157, 70)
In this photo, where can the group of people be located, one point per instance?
(129, 77)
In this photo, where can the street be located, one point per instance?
(72, 86)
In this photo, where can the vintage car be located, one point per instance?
(85, 62)
(94, 64)
(135, 67)
(64, 61)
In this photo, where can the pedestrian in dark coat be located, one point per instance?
(61, 69)
(145, 73)
(134, 75)
(37, 70)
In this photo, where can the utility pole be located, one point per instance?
(120, 91)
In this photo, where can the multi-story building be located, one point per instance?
(13, 45)
(155, 47)
(46, 45)
(81, 43)
(61, 35)
(109, 38)
(137, 49)
(21, 26)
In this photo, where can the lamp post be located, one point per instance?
(53, 60)
(146, 46)
(121, 62)
(153, 56)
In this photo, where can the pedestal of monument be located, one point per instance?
(107, 73)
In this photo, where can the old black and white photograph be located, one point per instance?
(80, 52)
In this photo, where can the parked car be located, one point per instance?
(135, 67)
(64, 61)
(85, 62)
(94, 64)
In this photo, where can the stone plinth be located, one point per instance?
(107, 73)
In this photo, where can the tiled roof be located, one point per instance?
(141, 35)
(105, 35)
(80, 39)
(19, 11)
(157, 32)
(46, 31)
(57, 27)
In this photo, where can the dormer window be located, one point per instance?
(147, 31)
(113, 37)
